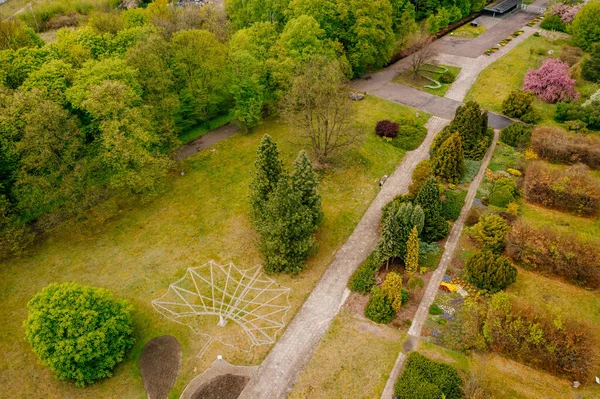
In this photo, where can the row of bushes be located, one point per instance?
(515, 329)
(557, 145)
(560, 255)
(535, 338)
(573, 190)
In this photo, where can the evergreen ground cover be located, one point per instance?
(137, 249)
(407, 78)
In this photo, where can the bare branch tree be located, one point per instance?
(424, 52)
(318, 108)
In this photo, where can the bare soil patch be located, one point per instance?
(160, 363)
(228, 386)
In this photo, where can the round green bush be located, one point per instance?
(516, 135)
(435, 310)
(503, 192)
(379, 308)
(447, 77)
(415, 282)
(490, 232)
(489, 271)
(79, 332)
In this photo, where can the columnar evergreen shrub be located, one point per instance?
(516, 135)
(425, 379)
(490, 232)
(472, 125)
(489, 271)
(422, 172)
(81, 333)
(563, 255)
(411, 260)
(387, 128)
(379, 308)
(551, 82)
(435, 227)
(396, 228)
(392, 286)
(518, 103)
(363, 278)
(268, 169)
(573, 190)
(448, 160)
(305, 183)
(557, 145)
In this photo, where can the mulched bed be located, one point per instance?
(226, 386)
(160, 363)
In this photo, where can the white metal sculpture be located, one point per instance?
(247, 297)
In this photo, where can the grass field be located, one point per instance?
(353, 360)
(12, 6)
(407, 78)
(137, 249)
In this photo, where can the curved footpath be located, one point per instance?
(280, 370)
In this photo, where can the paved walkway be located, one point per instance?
(432, 288)
(205, 141)
(280, 370)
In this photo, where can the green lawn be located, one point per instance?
(469, 32)
(137, 249)
(407, 78)
(353, 360)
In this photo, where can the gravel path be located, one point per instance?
(420, 317)
(280, 370)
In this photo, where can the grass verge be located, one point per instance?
(353, 360)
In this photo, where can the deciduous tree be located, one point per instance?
(319, 110)
(81, 333)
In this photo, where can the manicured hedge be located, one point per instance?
(425, 379)
(559, 146)
(573, 190)
(560, 255)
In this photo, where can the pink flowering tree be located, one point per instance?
(565, 12)
(551, 82)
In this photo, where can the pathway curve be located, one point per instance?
(280, 370)
(205, 141)
(416, 327)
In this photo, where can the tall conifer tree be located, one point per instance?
(436, 227)
(268, 169)
(305, 184)
(411, 260)
(449, 161)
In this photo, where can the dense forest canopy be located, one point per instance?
(98, 110)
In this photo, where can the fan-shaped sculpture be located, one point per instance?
(247, 297)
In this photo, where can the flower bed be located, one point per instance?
(491, 50)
